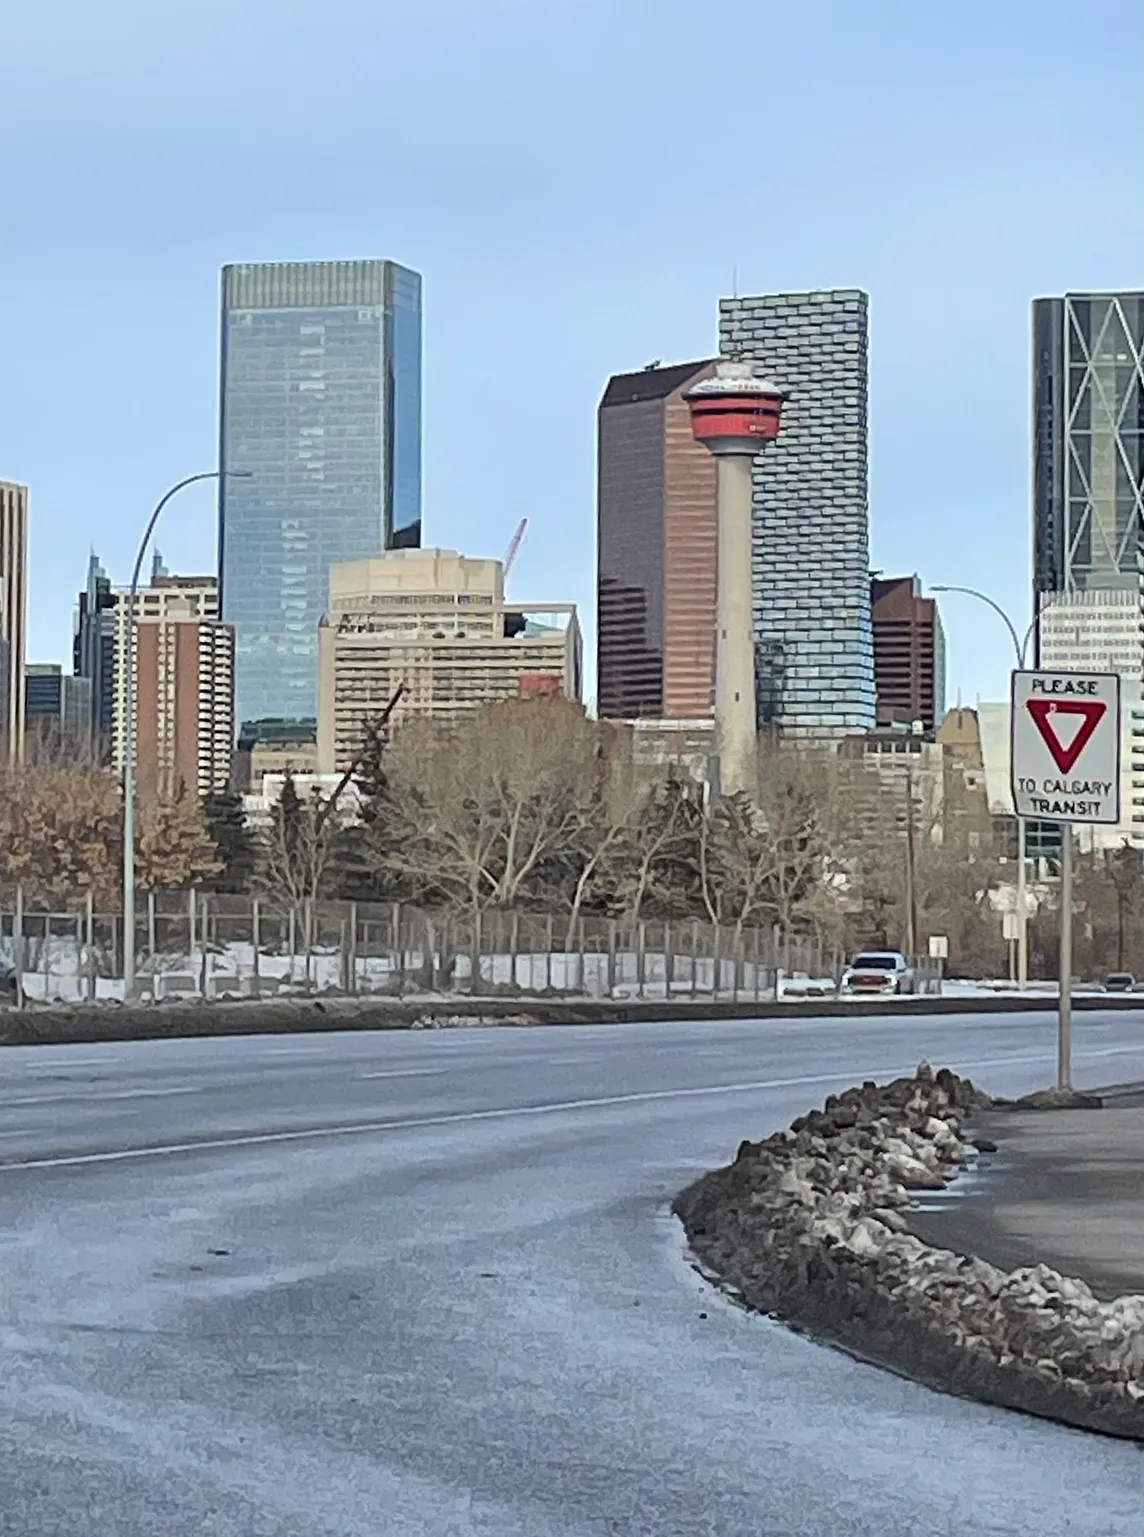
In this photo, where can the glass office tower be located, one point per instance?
(321, 404)
(1088, 442)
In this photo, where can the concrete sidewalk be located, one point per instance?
(1065, 1188)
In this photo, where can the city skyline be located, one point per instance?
(537, 259)
(1053, 322)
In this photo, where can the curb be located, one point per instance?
(89, 1023)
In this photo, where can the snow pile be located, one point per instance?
(808, 1225)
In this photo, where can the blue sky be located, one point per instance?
(577, 184)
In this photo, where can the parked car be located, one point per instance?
(876, 972)
(1119, 982)
(7, 982)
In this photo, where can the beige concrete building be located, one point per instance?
(438, 622)
(899, 780)
(184, 688)
(13, 617)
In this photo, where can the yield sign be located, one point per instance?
(1043, 711)
(1064, 752)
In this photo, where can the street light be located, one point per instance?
(1020, 647)
(129, 728)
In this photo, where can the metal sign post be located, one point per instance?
(1065, 756)
(1064, 1008)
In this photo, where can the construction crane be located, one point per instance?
(514, 549)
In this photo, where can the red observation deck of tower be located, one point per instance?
(735, 413)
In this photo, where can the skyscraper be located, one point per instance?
(93, 656)
(13, 617)
(656, 550)
(814, 639)
(909, 653)
(321, 405)
(1088, 442)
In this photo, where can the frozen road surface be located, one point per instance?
(426, 1285)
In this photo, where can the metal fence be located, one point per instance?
(191, 944)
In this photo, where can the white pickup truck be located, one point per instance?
(875, 973)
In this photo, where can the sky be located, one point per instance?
(578, 184)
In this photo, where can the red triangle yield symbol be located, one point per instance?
(1093, 712)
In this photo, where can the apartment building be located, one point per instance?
(437, 622)
(184, 687)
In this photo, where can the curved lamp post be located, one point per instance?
(1020, 646)
(129, 727)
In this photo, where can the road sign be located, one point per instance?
(939, 947)
(1066, 746)
(1010, 926)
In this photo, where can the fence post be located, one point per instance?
(203, 960)
(513, 943)
(476, 978)
(18, 944)
(353, 978)
(47, 957)
(755, 960)
(89, 943)
(256, 945)
(343, 956)
(641, 957)
(191, 926)
(398, 947)
(152, 941)
(716, 961)
(549, 941)
(308, 938)
(79, 954)
(611, 957)
(694, 956)
(668, 962)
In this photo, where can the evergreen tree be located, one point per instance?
(358, 877)
(226, 823)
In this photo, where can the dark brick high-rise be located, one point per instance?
(909, 653)
(656, 550)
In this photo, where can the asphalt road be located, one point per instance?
(426, 1285)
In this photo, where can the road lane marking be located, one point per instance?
(408, 1072)
(502, 1113)
(96, 1096)
(65, 1062)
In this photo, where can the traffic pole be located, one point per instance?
(1022, 907)
(1064, 1008)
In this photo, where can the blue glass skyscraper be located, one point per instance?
(321, 404)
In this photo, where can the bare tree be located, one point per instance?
(772, 850)
(489, 811)
(654, 866)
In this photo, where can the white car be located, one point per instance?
(875, 973)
